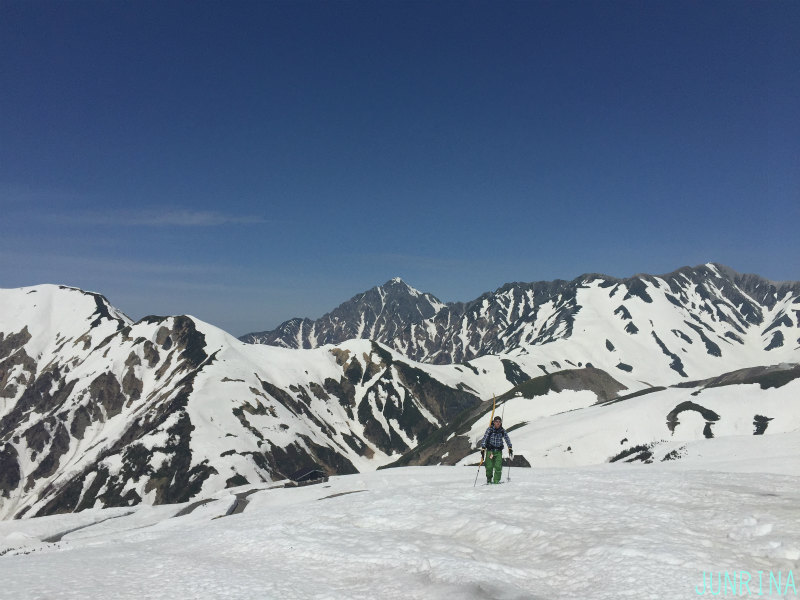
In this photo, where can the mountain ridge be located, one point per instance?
(502, 320)
(98, 410)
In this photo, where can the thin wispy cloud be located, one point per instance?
(26, 201)
(70, 265)
(159, 218)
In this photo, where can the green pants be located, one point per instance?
(494, 465)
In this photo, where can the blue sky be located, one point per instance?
(249, 162)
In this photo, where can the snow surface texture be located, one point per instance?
(606, 532)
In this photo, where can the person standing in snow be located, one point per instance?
(493, 442)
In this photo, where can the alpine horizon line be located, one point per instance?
(394, 313)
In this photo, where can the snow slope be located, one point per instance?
(571, 428)
(98, 411)
(607, 532)
(649, 337)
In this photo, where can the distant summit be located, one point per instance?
(382, 312)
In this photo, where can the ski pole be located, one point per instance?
(478, 472)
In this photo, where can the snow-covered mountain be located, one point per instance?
(379, 314)
(696, 322)
(97, 410)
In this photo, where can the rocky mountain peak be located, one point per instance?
(380, 313)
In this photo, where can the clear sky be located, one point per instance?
(246, 162)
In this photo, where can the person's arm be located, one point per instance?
(508, 441)
(485, 435)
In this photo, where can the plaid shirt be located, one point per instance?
(493, 438)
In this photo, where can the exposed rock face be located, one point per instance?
(380, 313)
(599, 382)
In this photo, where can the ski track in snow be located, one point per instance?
(425, 532)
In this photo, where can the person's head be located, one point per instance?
(497, 423)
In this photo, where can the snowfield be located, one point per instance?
(602, 532)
